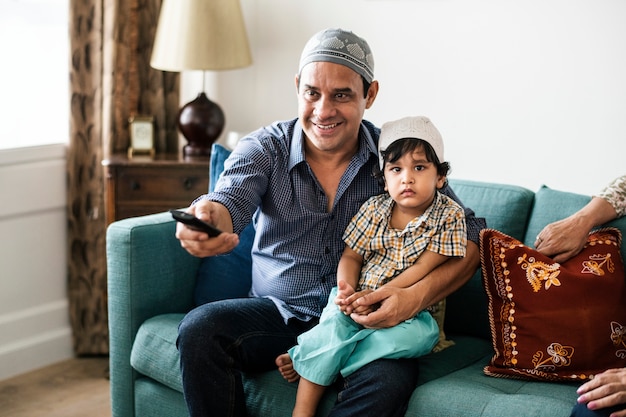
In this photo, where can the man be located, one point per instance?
(302, 181)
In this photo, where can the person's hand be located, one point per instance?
(605, 390)
(346, 299)
(562, 239)
(389, 305)
(344, 290)
(565, 238)
(199, 243)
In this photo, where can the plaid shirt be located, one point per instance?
(298, 242)
(387, 251)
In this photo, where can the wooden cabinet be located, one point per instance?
(145, 185)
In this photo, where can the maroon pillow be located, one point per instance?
(553, 321)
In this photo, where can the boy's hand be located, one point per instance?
(347, 303)
(344, 290)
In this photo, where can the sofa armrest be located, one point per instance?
(148, 274)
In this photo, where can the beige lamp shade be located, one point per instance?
(200, 35)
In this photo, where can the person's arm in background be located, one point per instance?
(565, 238)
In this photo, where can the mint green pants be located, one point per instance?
(338, 345)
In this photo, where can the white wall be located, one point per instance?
(524, 92)
(34, 322)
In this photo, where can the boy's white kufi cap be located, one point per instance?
(418, 127)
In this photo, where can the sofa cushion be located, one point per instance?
(154, 399)
(506, 208)
(550, 206)
(468, 392)
(268, 394)
(553, 321)
(219, 154)
(154, 351)
(465, 351)
(228, 275)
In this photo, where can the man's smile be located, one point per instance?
(326, 127)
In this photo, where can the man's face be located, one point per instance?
(331, 105)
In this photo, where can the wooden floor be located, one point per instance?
(72, 388)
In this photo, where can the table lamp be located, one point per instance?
(200, 35)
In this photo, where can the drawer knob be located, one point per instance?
(188, 183)
(134, 185)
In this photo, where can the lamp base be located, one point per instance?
(201, 122)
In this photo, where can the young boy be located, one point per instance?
(411, 227)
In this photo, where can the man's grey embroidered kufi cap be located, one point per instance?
(340, 47)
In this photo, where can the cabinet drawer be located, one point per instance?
(146, 185)
(165, 184)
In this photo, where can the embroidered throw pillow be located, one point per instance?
(550, 321)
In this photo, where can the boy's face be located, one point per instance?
(412, 181)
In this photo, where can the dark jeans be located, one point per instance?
(219, 340)
(581, 410)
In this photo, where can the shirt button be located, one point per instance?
(326, 250)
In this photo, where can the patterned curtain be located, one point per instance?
(110, 79)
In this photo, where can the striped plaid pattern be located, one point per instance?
(387, 251)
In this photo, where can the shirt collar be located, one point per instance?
(429, 217)
(296, 153)
(367, 145)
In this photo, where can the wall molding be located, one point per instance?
(34, 337)
(35, 329)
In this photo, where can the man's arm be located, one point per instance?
(427, 262)
(399, 304)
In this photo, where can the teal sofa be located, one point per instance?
(151, 284)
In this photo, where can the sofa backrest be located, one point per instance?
(506, 208)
